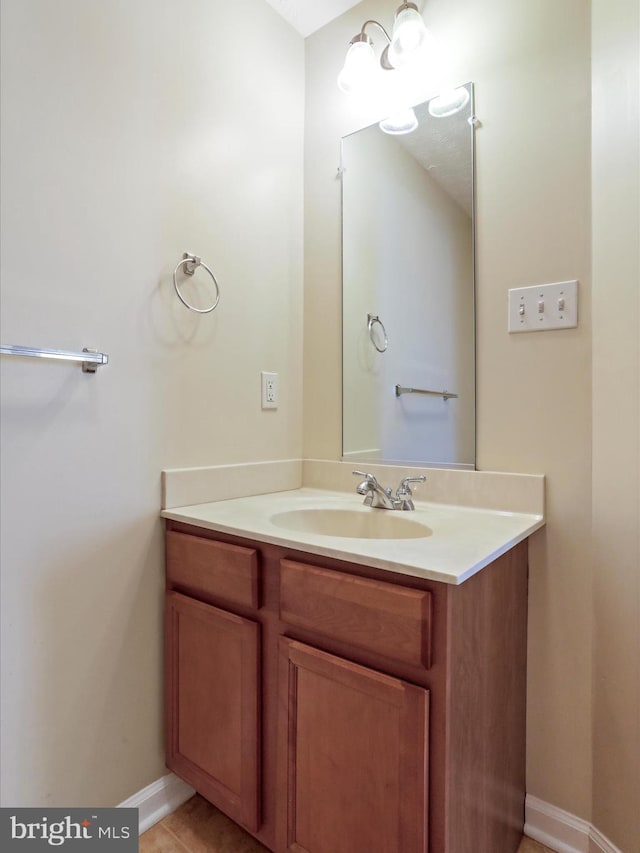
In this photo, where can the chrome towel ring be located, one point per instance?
(191, 264)
(372, 320)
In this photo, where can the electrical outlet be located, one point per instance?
(543, 307)
(269, 386)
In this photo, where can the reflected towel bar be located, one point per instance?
(446, 395)
(90, 359)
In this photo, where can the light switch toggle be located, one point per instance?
(541, 306)
(561, 303)
(521, 309)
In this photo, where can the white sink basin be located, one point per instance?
(352, 524)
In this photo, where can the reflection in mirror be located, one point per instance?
(408, 290)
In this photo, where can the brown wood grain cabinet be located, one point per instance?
(213, 702)
(354, 753)
(333, 708)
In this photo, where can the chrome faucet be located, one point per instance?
(378, 497)
(375, 495)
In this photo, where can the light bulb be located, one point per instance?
(409, 34)
(359, 67)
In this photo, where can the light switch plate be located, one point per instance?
(543, 307)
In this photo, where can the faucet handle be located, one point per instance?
(404, 493)
(403, 488)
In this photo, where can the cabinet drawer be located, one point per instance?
(202, 565)
(384, 618)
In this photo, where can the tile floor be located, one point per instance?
(198, 827)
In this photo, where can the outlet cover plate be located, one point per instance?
(269, 389)
(543, 307)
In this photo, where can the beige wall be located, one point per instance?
(127, 144)
(530, 63)
(131, 132)
(616, 420)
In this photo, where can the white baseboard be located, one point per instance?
(158, 800)
(562, 831)
(551, 826)
(600, 844)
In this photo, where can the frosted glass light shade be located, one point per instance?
(409, 34)
(399, 123)
(449, 102)
(359, 68)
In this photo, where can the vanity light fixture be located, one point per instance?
(360, 65)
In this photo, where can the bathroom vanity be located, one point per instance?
(354, 703)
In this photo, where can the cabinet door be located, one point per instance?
(212, 704)
(354, 757)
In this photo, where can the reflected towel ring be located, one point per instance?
(191, 264)
(372, 320)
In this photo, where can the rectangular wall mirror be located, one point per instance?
(408, 320)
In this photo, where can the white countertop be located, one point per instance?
(462, 540)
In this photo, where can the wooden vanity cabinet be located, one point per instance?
(212, 666)
(334, 708)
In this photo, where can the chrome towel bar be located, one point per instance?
(446, 395)
(90, 359)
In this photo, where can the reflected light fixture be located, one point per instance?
(399, 123)
(361, 66)
(449, 103)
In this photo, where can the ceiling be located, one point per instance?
(307, 16)
(442, 146)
